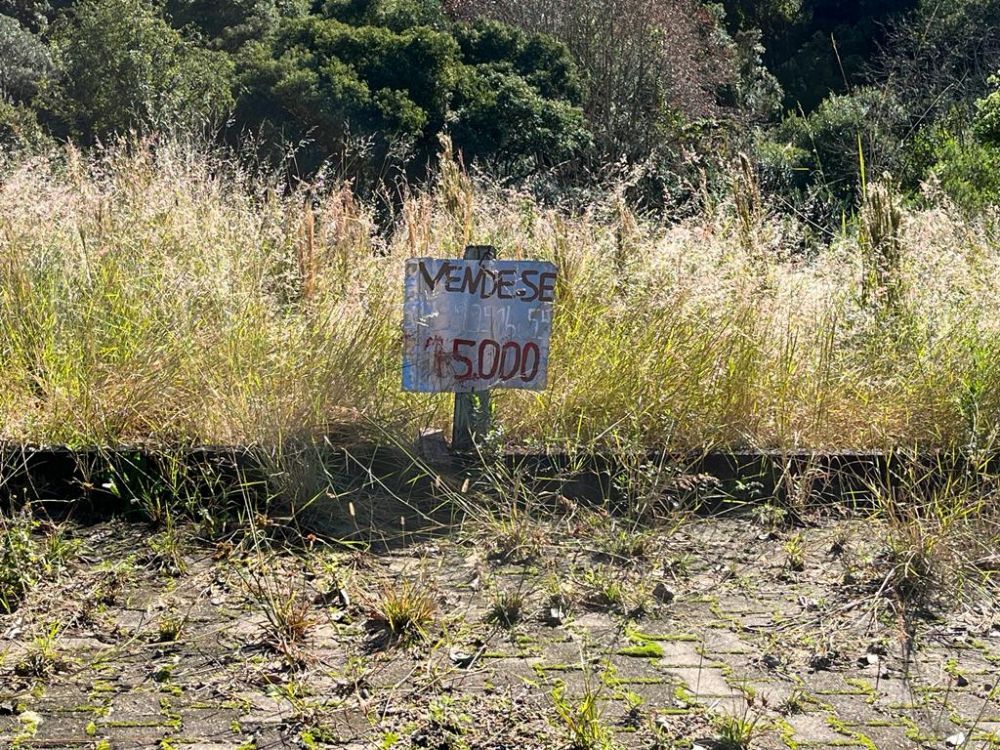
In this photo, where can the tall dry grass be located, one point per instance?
(157, 292)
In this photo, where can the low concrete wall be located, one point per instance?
(104, 479)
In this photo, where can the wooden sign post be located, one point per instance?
(473, 416)
(475, 324)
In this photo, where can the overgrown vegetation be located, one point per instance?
(751, 253)
(561, 96)
(163, 293)
(30, 551)
(775, 229)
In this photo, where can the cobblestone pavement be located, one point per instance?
(787, 637)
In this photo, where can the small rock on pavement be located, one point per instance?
(955, 740)
(461, 659)
(771, 661)
(554, 616)
(663, 594)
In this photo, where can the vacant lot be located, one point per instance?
(166, 295)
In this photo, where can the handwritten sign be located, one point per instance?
(471, 325)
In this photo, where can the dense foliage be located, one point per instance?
(507, 97)
(658, 95)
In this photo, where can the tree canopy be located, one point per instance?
(661, 93)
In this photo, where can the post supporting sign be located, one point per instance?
(475, 324)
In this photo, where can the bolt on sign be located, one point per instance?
(473, 325)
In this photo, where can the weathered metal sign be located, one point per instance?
(471, 325)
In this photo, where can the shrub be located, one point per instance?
(32, 14)
(20, 129)
(231, 23)
(942, 55)
(25, 61)
(505, 94)
(503, 120)
(645, 62)
(123, 68)
(824, 143)
(967, 170)
(397, 15)
(987, 120)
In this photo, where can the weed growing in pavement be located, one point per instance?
(405, 609)
(794, 553)
(738, 731)
(794, 703)
(18, 560)
(447, 720)
(633, 704)
(939, 539)
(165, 549)
(288, 612)
(507, 608)
(625, 544)
(581, 718)
(769, 515)
(29, 551)
(604, 588)
(679, 566)
(559, 595)
(170, 627)
(513, 537)
(42, 657)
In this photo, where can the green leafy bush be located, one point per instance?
(544, 62)
(968, 170)
(122, 67)
(505, 95)
(25, 60)
(323, 80)
(228, 24)
(506, 121)
(825, 142)
(397, 15)
(987, 119)
(20, 129)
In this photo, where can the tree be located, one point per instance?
(229, 24)
(25, 63)
(943, 56)
(818, 47)
(543, 61)
(33, 15)
(122, 67)
(506, 96)
(647, 64)
(397, 15)
(322, 79)
(504, 121)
